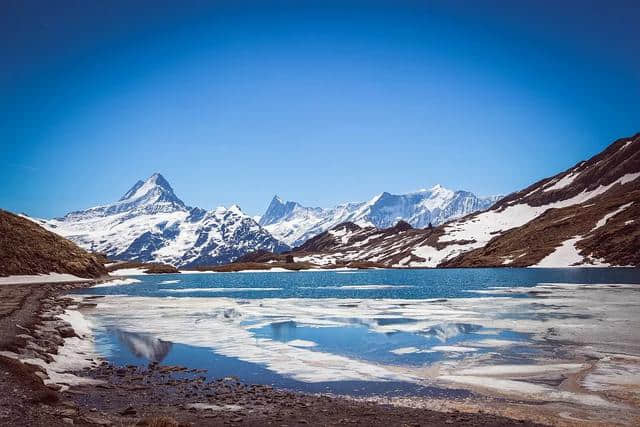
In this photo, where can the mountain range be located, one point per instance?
(294, 224)
(151, 224)
(584, 216)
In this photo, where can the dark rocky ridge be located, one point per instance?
(617, 242)
(27, 248)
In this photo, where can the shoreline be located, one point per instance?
(112, 395)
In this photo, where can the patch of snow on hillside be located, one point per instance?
(484, 226)
(563, 182)
(564, 256)
(605, 218)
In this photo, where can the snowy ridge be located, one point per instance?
(150, 224)
(294, 224)
(581, 217)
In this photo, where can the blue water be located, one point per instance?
(361, 343)
(405, 284)
(219, 366)
(356, 340)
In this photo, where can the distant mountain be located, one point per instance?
(586, 215)
(151, 224)
(294, 224)
(27, 248)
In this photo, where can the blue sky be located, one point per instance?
(319, 102)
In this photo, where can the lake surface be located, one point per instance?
(401, 284)
(373, 332)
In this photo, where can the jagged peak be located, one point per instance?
(141, 188)
(236, 209)
(132, 190)
(159, 180)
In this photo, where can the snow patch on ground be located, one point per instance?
(563, 256)
(563, 182)
(41, 278)
(481, 228)
(74, 355)
(301, 343)
(129, 272)
(117, 282)
(605, 218)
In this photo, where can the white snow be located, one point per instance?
(482, 227)
(436, 205)
(563, 182)
(176, 234)
(225, 325)
(129, 272)
(626, 144)
(604, 219)
(563, 256)
(75, 354)
(41, 278)
(117, 282)
(453, 348)
(409, 350)
(301, 343)
(200, 406)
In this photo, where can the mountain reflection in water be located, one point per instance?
(145, 345)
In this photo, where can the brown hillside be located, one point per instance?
(27, 248)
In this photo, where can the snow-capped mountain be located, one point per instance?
(294, 224)
(150, 223)
(584, 216)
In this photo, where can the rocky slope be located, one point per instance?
(151, 224)
(27, 248)
(586, 215)
(294, 224)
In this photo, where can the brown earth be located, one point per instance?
(240, 266)
(617, 242)
(27, 248)
(150, 268)
(164, 395)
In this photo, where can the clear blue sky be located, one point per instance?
(320, 102)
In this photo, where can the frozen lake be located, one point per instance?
(523, 333)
